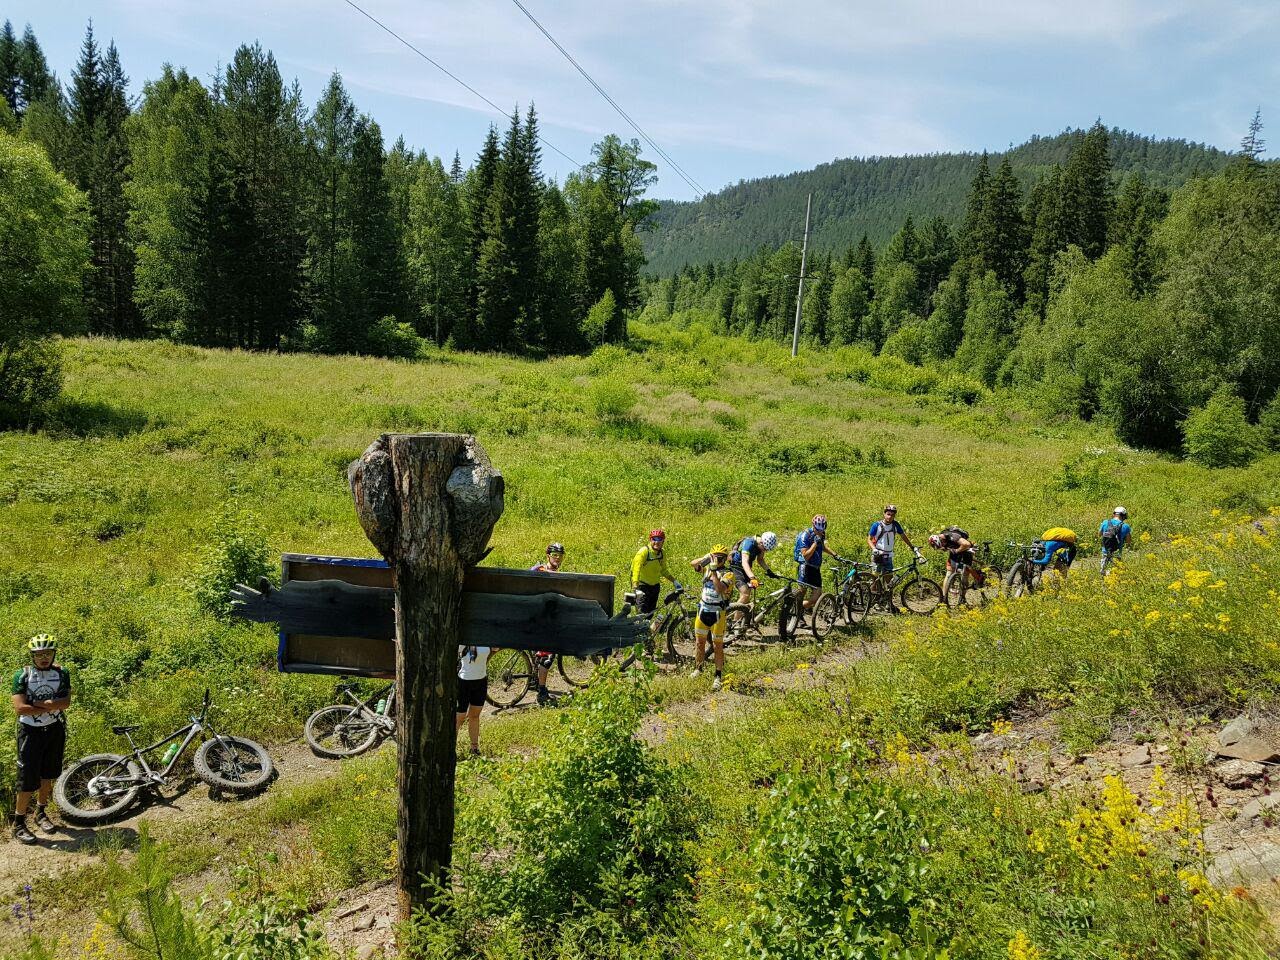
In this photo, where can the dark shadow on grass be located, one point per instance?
(93, 418)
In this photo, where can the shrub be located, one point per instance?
(613, 399)
(838, 870)
(599, 320)
(821, 456)
(390, 338)
(30, 379)
(1219, 435)
(1269, 423)
(238, 554)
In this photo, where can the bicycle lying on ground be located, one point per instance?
(347, 729)
(102, 785)
(973, 584)
(513, 673)
(915, 593)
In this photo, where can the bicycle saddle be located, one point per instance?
(127, 728)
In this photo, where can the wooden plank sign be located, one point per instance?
(337, 614)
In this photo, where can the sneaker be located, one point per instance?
(475, 751)
(22, 833)
(43, 822)
(697, 672)
(716, 684)
(543, 698)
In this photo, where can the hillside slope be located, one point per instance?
(873, 195)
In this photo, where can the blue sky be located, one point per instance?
(734, 89)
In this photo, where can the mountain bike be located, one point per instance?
(513, 673)
(970, 585)
(672, 620)
(746, 621)
(101, 786)
(347, 729)
(1025, 576)
(915, 593)
(851, 583)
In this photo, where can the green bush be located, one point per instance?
(1269, 423)
(1219, 435)
(591, 836)
(600, 320)
(30, 380)
(613, 399)
(390, 338)
(821, 456)
(238, 554)
(839, 867)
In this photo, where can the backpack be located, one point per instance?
(963, 534)
(799, 545)
(1111, 536)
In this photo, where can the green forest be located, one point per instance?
(232, 214)
(873, 195)
(1096, 294)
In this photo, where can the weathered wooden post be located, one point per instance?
(428, 502)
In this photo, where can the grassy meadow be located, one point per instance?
(162, 454)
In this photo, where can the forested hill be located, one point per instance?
(874, 195)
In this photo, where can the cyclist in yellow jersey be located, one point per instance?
(713, 606)
(648, 568)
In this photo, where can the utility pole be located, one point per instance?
(804, 256)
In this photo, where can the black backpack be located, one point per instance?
(963, 534)
(1111, 537)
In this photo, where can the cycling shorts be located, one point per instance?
(647, 597)
(1052, 548)
(883, 562)
(740, 575)
(809, 574)
(471, 693)
(960, 556)
(40, 754)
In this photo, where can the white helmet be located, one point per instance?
(768, 540)
(1120, 512)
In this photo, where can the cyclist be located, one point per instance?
(956, 542)
(41, 692)
(648, 567)
(1058, 548)
(473, 686)
(811, 544)
(883, 537)
(713, 604)
(1115, 534)
(746, 554)
(543, 659)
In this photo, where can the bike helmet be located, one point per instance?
(935, 541)
(719, 550)
(557, 548)
(820, 522)
(1120, 512)
(42, 642)
(658, 534)
(891, 508)
(768, 540)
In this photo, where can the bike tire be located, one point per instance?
(339, 730)
(577, 671)
(237, 765)
(857, 604)
(1017, 583)
(511, 677)
(70, 790)
(958, 596)
(825, 614)
(682, 645)
(920, 595)
(788, 618)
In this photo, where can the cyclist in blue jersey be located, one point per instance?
(747, 554)
(883, 537)
(1115, 534)
(811, 544)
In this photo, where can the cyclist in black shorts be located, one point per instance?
(473, 686)
(41, 692)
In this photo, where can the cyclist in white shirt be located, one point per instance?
(473, 687)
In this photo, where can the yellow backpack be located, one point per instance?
(1061, 534)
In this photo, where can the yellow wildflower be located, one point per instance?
(1021, 948)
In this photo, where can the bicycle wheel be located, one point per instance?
(681, 643)
(577, 671)
(1019, 580)
(510, 677)
(856, 604)
(958, 595)
(789, 616)
(97, 787)
(825, 614)
(234, 764)
(338, 731)
(920, 595)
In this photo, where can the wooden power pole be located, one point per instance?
(804, 257)
(428, 502)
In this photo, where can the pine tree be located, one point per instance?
(478, 187)
(375, 241)
(974, 233)
(98, 159)
(1086, 187)
(9, 79)
(333, 276)
(34, 78)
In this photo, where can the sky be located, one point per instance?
(730, 89)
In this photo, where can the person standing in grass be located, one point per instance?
(473, 687)
(747, 554)
(544, 658)
(648, 568)
(810, 546)
(41, 692)
(1115, 534)
(713, 606)
(883, 537)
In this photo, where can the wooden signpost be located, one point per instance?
(428, 502)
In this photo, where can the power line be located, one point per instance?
(452, 76)
(613, 103)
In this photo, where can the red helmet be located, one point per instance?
(658, 534)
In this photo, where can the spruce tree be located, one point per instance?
(935, 255)
(1086, 185)
(863, 257)
(1003, 232)
(1050, 235)
(975, 232)
(375, 241)
(333, 276)
(9, 79)
(497, 266)
(478, 187)
(34, 78)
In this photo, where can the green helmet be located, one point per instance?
(41, 642)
